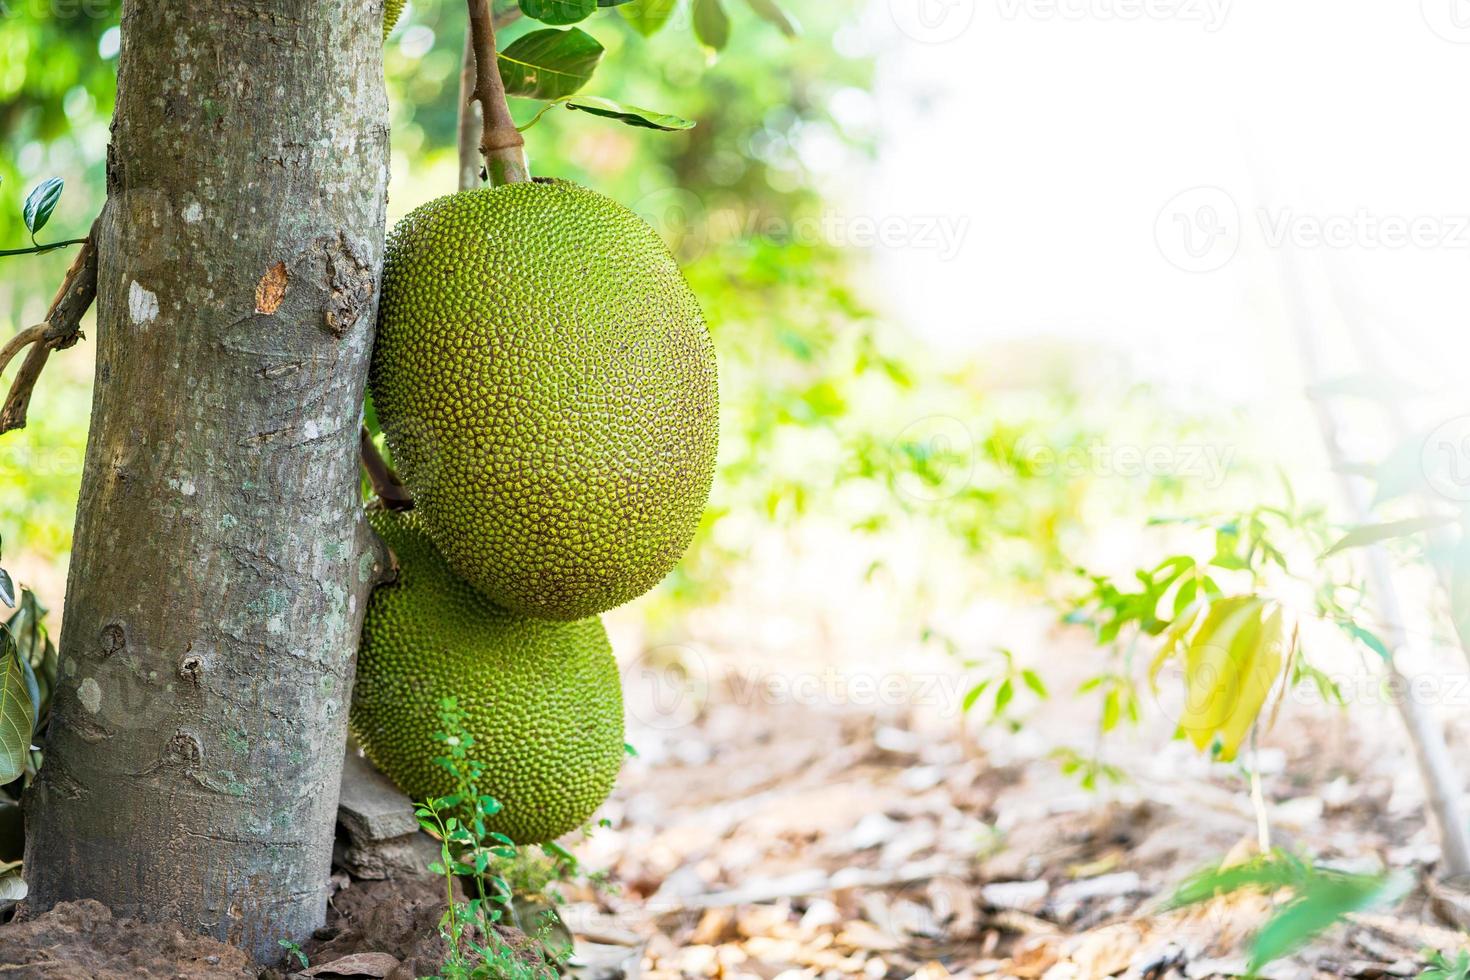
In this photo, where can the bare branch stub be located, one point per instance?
(61, 329)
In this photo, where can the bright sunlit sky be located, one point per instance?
(1057, 134)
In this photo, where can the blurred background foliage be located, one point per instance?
(835, 421)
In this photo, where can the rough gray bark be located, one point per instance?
(221, 564)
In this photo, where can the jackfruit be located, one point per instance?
(542, 699)
(547, 387)
(391, 12)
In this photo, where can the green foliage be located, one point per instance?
(293, 950)
(1089, 770)
(27, 678)
(1441, 967)
(40, 203)
(1003, 679)
(549, 64)
(1222, 612)
(1319, 898)
(630, 114)
(467, 850)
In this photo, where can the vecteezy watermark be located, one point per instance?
(1450, 19)
(669, 687)
(1210, 14)
(1445, 458)
(864, 689)
(1207, 463)
(935, 459)
(932, 21)
(1363, 229)
(688, 227)
(1200, 230)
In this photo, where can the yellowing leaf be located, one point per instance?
(1258, 667)
(1231, 665)
(1173, 641)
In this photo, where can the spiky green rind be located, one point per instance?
(547, 386)
(392, 10)
(542, 699)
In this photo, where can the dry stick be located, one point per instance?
(469, 120)
(385, 482)
(1436, 768)
(61, 329)
(13, 346)
(501, 144)
(1370, 355)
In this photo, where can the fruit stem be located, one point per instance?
(501, 144)
(386, 485)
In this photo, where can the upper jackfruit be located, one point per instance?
(392, 10)
(542, 699)
(547, 386)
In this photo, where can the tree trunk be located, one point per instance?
(221, 563)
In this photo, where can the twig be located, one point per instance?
(13, 346)
(1436, 766)
(501, 144)
(386, 485)
(43, 249)
(61, 329)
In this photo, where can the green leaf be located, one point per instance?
(1033, 681)
(7, 588)
(1368, 639)
(647, 16)
(1324, 900)
(40, 203)
(972, 696)
(558, 11)
(768, 11)
(632, 115)
(549, 64)
(711, 24)
(611, 3)
(17, 716)
(1368, 534)
(1003, 696)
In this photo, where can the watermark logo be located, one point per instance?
(680, 219)
(667, 687)
(1445, 458)
(932, 21)
(1450, 19)
(1210, 14)
(1207, 463)
(1199, 229)
(940, 451)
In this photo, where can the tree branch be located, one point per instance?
(386, 485)
(61, 329)
(501, 144)
(470, 172)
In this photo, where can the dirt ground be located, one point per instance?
(757, 838)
